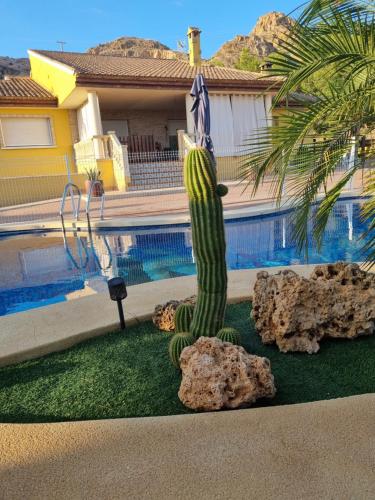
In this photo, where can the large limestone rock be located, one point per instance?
(14, 66)
(163, 317)
(337, 301)
(132, 46)
(218, 374)
(264, 39)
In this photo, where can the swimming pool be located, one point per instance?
(38, 269)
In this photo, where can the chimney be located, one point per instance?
(194, 36)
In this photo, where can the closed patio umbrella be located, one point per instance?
(201, 113)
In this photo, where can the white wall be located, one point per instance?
(88, 117)
(83, 119)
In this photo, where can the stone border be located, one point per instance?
(34, 333)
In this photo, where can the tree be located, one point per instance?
(248, 61)
(334, 41)
(217, 62)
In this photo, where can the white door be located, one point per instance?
(173, 126)
(119, 126)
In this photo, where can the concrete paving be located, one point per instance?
(153, 203)
(322, 450)
(130, 204)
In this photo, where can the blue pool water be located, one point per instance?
(43, 268)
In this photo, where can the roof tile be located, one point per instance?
(117, 67)
(23, 89)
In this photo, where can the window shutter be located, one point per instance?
(26, 132)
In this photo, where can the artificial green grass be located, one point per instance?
(130, 375)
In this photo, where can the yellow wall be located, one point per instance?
(104, 166)
(39, 161)
(106, 169)
(228, 167)
(57, 81)
(19, 190)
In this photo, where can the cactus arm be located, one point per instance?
(221, 190)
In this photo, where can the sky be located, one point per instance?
(82, 24)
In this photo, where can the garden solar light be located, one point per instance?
(117, 292)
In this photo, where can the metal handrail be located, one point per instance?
(88, 201)
(96, 258)
(70, 186)
(83, 264)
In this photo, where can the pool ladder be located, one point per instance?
(84, 257)
(69, 189)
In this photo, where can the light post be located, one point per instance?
(117, 292)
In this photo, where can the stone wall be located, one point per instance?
(144, 122)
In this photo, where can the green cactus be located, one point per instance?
(183, 317)
(206, 211)
(177, 344)
(229, 335)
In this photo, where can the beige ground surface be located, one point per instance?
(150, 203)
(138, 204)
(323, 450)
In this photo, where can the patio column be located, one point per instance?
(94, 110)
(96, 123)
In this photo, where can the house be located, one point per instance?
(118, 114)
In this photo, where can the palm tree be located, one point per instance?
(302, 153)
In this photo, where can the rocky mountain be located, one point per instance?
(261, 41)
(14, 66)
(269, 30)
(136, 47)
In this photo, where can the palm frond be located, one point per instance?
(302, 154)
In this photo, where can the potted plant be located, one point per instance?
(93, 176)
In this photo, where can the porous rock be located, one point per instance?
(164, 314)
(218, 374)
(338, 300)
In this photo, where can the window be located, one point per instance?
(26, 132)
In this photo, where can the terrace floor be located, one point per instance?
(143, 203)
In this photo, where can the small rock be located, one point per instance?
(218, 374)
(163, 317)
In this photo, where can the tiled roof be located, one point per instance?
(23, 90)
(89, 67)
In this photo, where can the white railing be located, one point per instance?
(105, 147)
(84, 149)
(98, 147)
(185, 142)
(120, 160)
